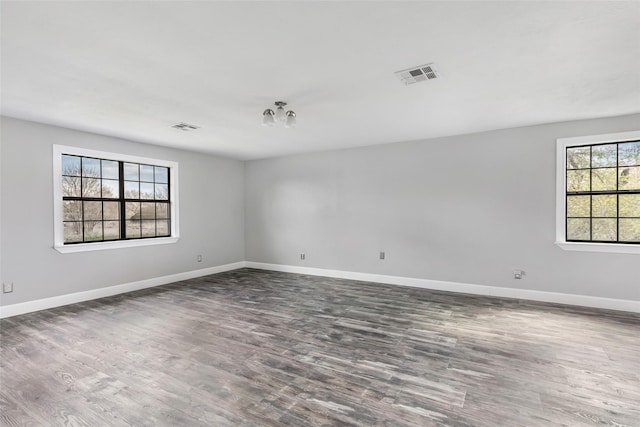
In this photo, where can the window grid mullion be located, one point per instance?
(617, 193)
(81, 194)
(123, 226)
(169, 196)
(591, 193)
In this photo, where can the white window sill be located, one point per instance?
(600, 247)
(99, 246)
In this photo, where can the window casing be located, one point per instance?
(106, 200)
(598, 193)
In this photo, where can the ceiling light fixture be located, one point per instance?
(270, 117)
(185, 126)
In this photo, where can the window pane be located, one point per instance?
(101, 209)
(162, 191)
(579, 206)
(131, 190)
(91, 187)
(603, 179)
(604, 155)
(578, 157)
(111, 230)
(90, 167)
(110, 189)
(131, 172)
(605, 205)
(92, 211)
(148, 211)
(146, 190)
(162, 175)
(72, 232)
(629, 230)
(148, 228)
(71, 165)
(578, 229)
(72, 210)
(630, 205)
(92, 231)
(629, 178)
(132, 210)
(162, 210)
(578, 180)
(629, 154)
(111, 210)
(604, 229)
(146, 173)
(162, 228)
(110, 169)
(133, 229)
(70, 186)
(602, 186)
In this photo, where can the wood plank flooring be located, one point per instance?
(258, 348)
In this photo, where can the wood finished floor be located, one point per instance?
(257, 348)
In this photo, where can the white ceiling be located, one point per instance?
(132, 69)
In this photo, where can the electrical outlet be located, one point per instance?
(199, 258)
(7, 287)
(302, 256)
(518, 274)
(381, 255)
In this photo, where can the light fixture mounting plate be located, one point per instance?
(185, 126)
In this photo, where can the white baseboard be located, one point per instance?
(527, 294)
(57, 301)
(496, 291)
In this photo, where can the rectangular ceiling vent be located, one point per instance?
(418, 74)
(184, 126)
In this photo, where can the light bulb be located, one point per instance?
(267, 117)
(291, 120)
(280, 114)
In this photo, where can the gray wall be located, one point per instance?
(467, 209)
(211, 216)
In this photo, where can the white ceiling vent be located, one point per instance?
(418, 74)
(185, 126)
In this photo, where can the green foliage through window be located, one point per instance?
(603, 193)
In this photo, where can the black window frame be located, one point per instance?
(617, 193)
(122, 200)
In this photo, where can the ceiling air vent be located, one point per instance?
(417, 74)
(185, 126)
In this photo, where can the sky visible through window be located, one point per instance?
(107, 200)
(603, 193)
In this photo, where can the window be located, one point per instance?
(599, 193)
(106, 200)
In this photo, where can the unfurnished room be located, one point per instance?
(320, 213)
